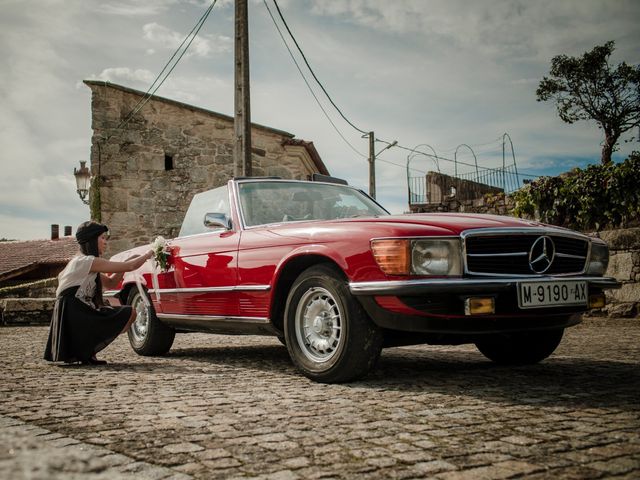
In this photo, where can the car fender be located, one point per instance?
(309, 251)
(290, 267)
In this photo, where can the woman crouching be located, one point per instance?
(82, 324)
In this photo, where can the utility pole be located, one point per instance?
(242, 117)
(372, 166)
(372, 161)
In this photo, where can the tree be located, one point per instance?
(588, 88)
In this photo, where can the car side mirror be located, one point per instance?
(217, 220)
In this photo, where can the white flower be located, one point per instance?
(160, 253)
(159, 243)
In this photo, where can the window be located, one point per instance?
(168, 162)
(212, 201)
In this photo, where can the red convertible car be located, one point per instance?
(336, 278)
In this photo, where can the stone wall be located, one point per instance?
(26, 311)
(151, 167)
(39, 289)
(29, 303)
(493, 204)
(624, 265)
(442, 189)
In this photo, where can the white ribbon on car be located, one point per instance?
(143, 293)
(154, 278)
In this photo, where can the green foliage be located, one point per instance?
(588, 88)
(598, 197)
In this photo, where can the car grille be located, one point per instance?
(509, 254)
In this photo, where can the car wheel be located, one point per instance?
(520, 348)
(148, 335)
(329, 336)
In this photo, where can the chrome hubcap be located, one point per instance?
(318, 324)
(140, 327)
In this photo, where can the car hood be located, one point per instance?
(457, 222)
(434, 224)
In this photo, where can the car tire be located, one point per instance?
(148, 336)
(328, 335)
(523, 348)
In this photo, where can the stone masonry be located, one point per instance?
(492, 204)
(624, 265)
(150, 168)
(439, 188)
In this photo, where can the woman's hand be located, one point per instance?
(146, 256)
(136, 262)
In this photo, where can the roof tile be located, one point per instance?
(16, 255)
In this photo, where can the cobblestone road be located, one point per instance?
(234, 407)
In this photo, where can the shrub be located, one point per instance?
(598, 197)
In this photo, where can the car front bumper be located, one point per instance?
(463, 285)
(437, 305)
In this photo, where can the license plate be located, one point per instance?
(552, 294)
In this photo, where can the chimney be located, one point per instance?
(67, 230)
(55, 232)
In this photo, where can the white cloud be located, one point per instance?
(202, 45)
(499, 30)
(204, 91)
(137, 7)
(139, 78)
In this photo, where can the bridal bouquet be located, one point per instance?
(161, 253)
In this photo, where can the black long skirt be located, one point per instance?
(78, 331)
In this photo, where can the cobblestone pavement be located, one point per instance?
(234, 407)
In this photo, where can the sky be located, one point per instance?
(430, 74)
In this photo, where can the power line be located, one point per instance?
(149, 93)
(331, 100)
(340, 111)
(312, 72)
(307, 83)
(401, 166)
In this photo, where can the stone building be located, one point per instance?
(146, 171)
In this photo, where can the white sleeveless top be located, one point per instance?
(77, 273)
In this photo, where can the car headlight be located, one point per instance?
(599, 259)
(438, 257)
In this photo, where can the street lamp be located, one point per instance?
(83, 181)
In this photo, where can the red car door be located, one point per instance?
(205, 273)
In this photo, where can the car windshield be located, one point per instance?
(277, 202)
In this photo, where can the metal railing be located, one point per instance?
(505, 177)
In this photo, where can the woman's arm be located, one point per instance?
(111, 280)
(107, 266)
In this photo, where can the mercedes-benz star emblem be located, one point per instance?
(541, 254)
